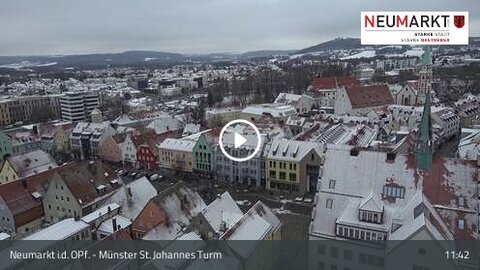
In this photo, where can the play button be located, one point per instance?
(240, 140)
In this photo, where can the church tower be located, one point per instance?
(426, 76)
(423, 150)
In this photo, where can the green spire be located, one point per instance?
(424, 144)
(427, 56)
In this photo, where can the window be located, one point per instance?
(272, 174)
(461, 224)
(461, 201)
(334, 252)
(331, 184)
(347, 254)
(390, 191)
(329, 204)
(293, 177)
(282, 176)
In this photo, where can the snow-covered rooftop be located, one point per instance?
(60, 230)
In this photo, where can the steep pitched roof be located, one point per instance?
(133, 197)
(20, 196)
(180, 204)
(223, 210)
(32, 163)
(369, 96)
(371, 203)
(82, 179)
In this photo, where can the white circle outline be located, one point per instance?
(257, 148)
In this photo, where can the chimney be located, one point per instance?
(129, 192)
(391, 157)
(35, 129)
(114, 224)
(24, 183)
(109, 209)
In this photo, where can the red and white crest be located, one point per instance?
(459, 21)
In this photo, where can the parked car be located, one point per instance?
(308, 200)
(244, 203)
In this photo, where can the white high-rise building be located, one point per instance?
(77, 106)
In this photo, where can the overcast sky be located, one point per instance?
(35, 27)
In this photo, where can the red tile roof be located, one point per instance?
(369, 96)
(20, 202)
(82, 178)
(150, 139)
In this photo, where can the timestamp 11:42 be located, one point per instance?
(457, 255)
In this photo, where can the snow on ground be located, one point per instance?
(414, 52)
(25, 64)
(363, 54)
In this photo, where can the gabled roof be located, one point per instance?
(179, 204)
(255, 225)
(164, 124)
(417, 214)
(133, 197)
(150, 139)
(222, 210)
(59, 231)
(19, 196)
(371, 203)
(369, 96)
(178, 145)
(19, 200)
(82, 179)
(259, 215)
(32, 162)
(291, 150)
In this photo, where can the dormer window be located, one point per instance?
(372, 217)
(331, 184)
(394, 192)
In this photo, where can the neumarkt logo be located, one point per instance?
(399, 21)
(414, 28)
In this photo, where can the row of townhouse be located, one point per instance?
(137, 211)
(49, 137)
(280, 164)
(72, 190)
